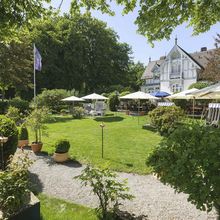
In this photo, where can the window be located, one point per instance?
(176, 88)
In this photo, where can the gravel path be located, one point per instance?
(152, 198)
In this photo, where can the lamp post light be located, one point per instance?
(102, 127)
(2, 141)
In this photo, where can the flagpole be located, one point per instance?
(34, 79)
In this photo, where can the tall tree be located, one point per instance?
(212, 70)
(79, 52)
(15, 65)
(157, 19)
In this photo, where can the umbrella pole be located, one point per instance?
(193, 107)
(138, 110)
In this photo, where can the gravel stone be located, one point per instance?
(152, 198)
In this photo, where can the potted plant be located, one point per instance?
(61, 150)
(23, 137)
(36, 120)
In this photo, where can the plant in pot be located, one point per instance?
(23, 137)
(36, 120)
(61, 150)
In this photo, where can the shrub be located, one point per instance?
(199, 85)
(3, 106)
(108, 190)
(23, 133)
(14, 186)
(19, 103)
(8, 129)
(14, 114)
(78, 112)
(51, 99)
(113, 101)
(62, 146)
(166, 118)
(188, 160)
(36, 120)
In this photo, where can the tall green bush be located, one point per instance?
(19, 103)
(8, 129)
(14, 186)
(189, 161)
(113, 101)
(23, 133)
(51, 99)
(14, 114)
(3, 106)
(166, 118)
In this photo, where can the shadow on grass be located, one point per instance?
(149, 128)
(109, 119)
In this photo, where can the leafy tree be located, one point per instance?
(108, 190)
(83, 51)
(212, 70)
(157, 19)
(17, 13)
(188, 160)
(16, 65)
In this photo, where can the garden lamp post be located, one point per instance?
(2, 141)
(102, 127)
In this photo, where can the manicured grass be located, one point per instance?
(126, 144)
(56, 209)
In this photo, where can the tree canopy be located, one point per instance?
(79, 52)
(157, 19)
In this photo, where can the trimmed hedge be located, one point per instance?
(8, 129)
(62, 146)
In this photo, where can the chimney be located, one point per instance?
(203, 49)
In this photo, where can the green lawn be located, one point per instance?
(56, 209)
(126, 144)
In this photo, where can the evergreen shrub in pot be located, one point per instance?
(61, 150)
(23, 137)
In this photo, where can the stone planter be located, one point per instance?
(31, 211)
(23, 143)
(60, 157)
(36, 147)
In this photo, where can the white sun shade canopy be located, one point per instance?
(73, 99)
(138, 95)
(187, 94)
(94, 96)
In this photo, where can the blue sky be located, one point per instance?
(127, 31)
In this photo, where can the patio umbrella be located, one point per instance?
(160, 94)
(138, 96)
(73, 99)
(94, 96)
(186, 94)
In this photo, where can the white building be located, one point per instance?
(176, 71)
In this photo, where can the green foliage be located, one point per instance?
(199, 85)
(14, 114)
(166, 118)
(3, 106)
(17, 13)
(157, 19)
(36, 120)
(81, 49)
(51, 99)
(105, 186)
(8, 129)
(62, 146)
(14, 186)
(113, 101)
(19, 103)
(16, 65)
(78, 112)
(189, 161)
(23, 133)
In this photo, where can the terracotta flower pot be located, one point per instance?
(60, 157)
(23, 143)
(36, 147)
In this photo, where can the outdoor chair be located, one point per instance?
(213, 116)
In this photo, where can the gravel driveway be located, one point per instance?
(152, 198)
